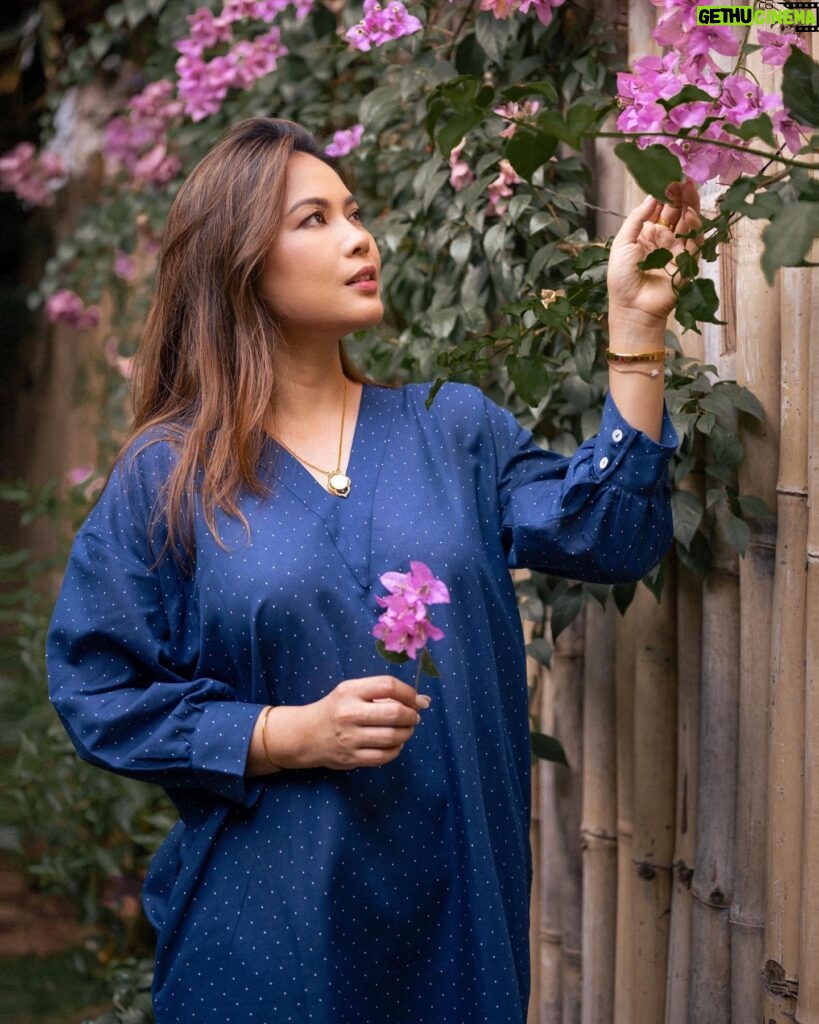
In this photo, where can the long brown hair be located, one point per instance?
(206, 367)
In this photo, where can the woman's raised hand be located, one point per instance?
(652, 225)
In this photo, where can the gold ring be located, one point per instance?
(664, 223)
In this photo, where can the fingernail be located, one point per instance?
(425, 700)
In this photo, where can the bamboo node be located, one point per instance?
(684, 873)
(777, 982)
(645, 870)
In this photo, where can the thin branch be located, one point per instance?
(628, 136)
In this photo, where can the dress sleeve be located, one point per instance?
(603, 515)
(122, 655)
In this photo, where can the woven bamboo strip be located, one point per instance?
(599, 822)
(655, 702)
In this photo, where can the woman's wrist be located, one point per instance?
(280, 740)
(632, 330)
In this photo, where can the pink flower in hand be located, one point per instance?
(404, 629)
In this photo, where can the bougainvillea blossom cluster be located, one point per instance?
(544, 9)
(138, 140)
(501, 188)
(32, 177)
(735, 98)
(381, 24)
(66, 307)
(405, 627)
(345, 141)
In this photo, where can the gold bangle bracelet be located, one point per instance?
(657, 356)
(266, 715)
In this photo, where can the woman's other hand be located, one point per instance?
(652, 225)
(361, 723)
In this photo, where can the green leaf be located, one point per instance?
(526, 151)
(623, 594)
(800, 87)
(541, 650)
(428, 666)
(460, 248)
(754, 128)
(494, 240)
(688, 94)
(741, 398)
(395, 657)
(726, 447)
(547, 748)
(653, 168)
(542, 88)
(378, 107)
(530, 376)
(687, 512)
(788, 237)
(698, 556)
(697, 302)
(565, 609)
(755, 507)
(737, 533)
(655, 260)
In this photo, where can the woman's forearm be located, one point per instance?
(637, 394)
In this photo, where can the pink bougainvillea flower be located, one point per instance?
(460, 172)
(124, 266)
(381, 24)
(66, 307)
(404, 628)
(345, 141)
(776, 46)
(501, 188)
(33, 177)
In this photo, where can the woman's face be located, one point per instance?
(322, 272)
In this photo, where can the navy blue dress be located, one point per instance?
(391, 895)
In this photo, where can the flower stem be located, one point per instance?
(418, 673)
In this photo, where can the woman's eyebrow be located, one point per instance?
(318, 201)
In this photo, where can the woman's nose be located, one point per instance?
(358, 238)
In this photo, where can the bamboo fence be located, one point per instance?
(699, 836)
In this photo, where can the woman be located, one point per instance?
(334, 862)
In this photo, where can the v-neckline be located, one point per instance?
(348, 521)
(295, 476)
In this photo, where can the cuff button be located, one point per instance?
(617, 435)
(603, 462)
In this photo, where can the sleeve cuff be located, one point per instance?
(628, 457)
(219, 748)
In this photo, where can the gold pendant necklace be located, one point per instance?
(338, 483)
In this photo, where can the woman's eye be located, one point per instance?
(357, 215)
(312, 219)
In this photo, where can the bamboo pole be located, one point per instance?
(567, 675)
(807, 1007)
(550, 1007)
(689, 641)
(758, 357)
(599, 823)
(712, 883)
(624, 634)
(787, 697)
(655, 701)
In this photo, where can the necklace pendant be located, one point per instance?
(339, 483)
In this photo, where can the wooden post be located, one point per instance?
(624, 632)
(807, 1007)
(567, 677)
(689, 642)
(550, 1009)
(787, 697)
(758, 357)
(655, 705)
(599, 824)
